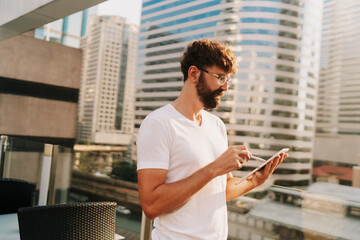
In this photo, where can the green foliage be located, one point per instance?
(85, 159)
(85, 142)
(124, 170)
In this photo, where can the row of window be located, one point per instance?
(265, 146)
(282, 11)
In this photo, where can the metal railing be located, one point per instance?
(3, 145)
(146, 227)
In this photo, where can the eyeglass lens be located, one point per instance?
(223, 79)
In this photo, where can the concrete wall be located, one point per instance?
(26, 58)
(36, 117)
(340, 148)
(37, 61)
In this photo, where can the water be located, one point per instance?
(130, 222)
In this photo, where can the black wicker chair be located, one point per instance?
(68, 221)
(15, 193)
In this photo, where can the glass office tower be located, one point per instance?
(272, 103)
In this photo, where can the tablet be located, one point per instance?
(284, 150)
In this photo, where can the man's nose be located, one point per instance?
(225, 87)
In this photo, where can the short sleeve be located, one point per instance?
(153, 145)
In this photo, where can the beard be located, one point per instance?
(206, 96)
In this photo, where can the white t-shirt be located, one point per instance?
(168, 140)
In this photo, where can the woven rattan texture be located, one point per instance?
(15, 193)
(68, 222)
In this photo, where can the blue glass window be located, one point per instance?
(258, 31)
(244, 65)
(259, 9)
(181, 11)
(163, 7)
(243, 76)
(152, 2)
(266, 54)
(263, 66)
(257, 42)
(181, 30)
(39, 33)
(262, 0)
(243, 54)
(260, 20)
(184, 20)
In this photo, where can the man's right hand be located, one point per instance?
(231, 159)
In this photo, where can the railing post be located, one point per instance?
(146, 227)
(45, 174)
(53, 166)
(3, 145)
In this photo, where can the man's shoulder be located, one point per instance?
(161, 113)
(157, 121)
(214, 118)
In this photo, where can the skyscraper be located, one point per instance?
(339, 98)
(272, 103)
(338, 115)
(68, 30)
(108, 79)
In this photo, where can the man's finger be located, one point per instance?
(239, 164)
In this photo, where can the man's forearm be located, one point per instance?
(166, 197)
(234, 191)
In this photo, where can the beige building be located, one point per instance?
(108, 79)
(337, 139)
(38, 99)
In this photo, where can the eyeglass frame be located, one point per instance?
(218, 76)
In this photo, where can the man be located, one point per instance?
(184, 163)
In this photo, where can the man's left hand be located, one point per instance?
(262, 175)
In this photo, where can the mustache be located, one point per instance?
(217, 92)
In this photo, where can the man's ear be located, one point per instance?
(193, 74)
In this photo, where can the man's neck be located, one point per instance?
(189, 105)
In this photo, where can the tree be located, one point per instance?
(124, 170)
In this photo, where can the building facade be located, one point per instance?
(338, 115)
(272, 102)
(108, 81)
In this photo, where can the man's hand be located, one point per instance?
(233, 191)
(262, 175)
(231, 159)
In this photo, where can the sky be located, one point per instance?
(130, 9)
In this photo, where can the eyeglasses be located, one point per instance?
(222, 79)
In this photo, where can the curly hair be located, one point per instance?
(206, 53)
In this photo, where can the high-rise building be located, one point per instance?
(339, 98)
(68, 30)
(272, 102)
(108, 81)
(338, 113)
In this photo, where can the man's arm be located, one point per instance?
(258, 178)
(158, 197)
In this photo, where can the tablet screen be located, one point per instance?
(262, 165)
